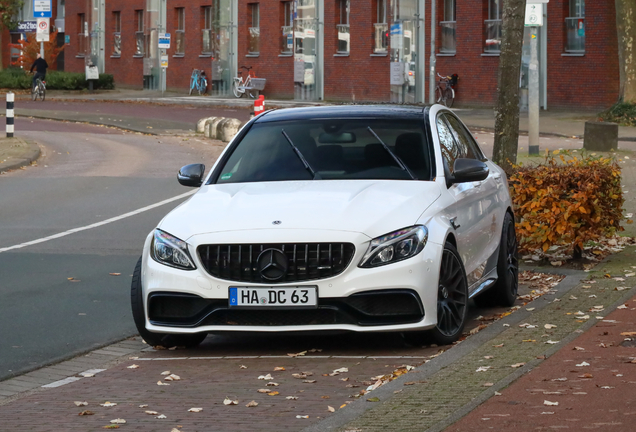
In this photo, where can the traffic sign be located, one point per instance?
(164, 40)
(534, 15)
(43, 30)
(42, 9)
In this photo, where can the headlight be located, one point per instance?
(171, 251)
(394, 247)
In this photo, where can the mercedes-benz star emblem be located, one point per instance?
(272, 264)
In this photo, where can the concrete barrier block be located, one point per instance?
(600, 136)
(214, 127)
(201, 124)
(228, 128)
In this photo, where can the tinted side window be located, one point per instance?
(464, 138)
(450, 150)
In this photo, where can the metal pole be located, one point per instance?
(533, 95)
(433, 58)
(42, 49)
(10, 98)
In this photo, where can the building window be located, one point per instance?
(206, 29)
(343, 27)
(116, 34)
(575, 27)
(139, 33)
(180, 32)
(287, 35)
(380, 29)
(493, 27)
(448, 26)
(15, 53)
(254, 30)
(81, 34)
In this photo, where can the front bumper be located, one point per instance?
(395, 297)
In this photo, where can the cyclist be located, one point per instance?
(40, 65)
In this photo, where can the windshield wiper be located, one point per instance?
(393, 155)
(300, 155)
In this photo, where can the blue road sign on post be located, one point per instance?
(42, 9)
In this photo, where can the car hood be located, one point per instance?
(371, 207)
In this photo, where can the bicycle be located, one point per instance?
(39, 90)
(198, 81)
(445, 92)
(240, 86)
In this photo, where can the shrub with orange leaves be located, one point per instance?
(566, 201)
(30, 48)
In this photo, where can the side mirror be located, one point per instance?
(191, 175)
(469, 170)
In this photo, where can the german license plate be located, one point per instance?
(270, 297)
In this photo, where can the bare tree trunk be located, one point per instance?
(1, 65)
(626, 32)
(507, 108)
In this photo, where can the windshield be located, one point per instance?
(333, 149)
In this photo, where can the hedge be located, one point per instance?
(15, 78)
(567, 201)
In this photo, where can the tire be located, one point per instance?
(42, 94)
(34, 92)
(452, 298)
(438, 95)
(449, 97)
(505, 291)
(192, 85)
(235, 90)
(139, 316)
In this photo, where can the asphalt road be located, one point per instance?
(87, 175)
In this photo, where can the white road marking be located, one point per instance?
(97, 224)
(278, 357)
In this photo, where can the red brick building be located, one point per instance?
(341, 50)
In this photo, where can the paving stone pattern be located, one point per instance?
(422, 406)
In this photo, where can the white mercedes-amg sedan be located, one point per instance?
(335, 218)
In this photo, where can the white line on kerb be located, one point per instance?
(97, 224)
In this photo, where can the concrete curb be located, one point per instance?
(31, 154)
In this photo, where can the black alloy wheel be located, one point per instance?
(452, 298)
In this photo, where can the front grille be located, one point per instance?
(387, 307)
(307, 261)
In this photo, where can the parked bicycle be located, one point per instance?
(198, 82)
(39, 90)
(445, 90)
(250, 85)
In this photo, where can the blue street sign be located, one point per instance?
(42, 9)
(396, 29)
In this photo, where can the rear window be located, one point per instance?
(333, 149)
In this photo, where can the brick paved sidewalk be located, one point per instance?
(589, 384)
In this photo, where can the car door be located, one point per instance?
(475, 211)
